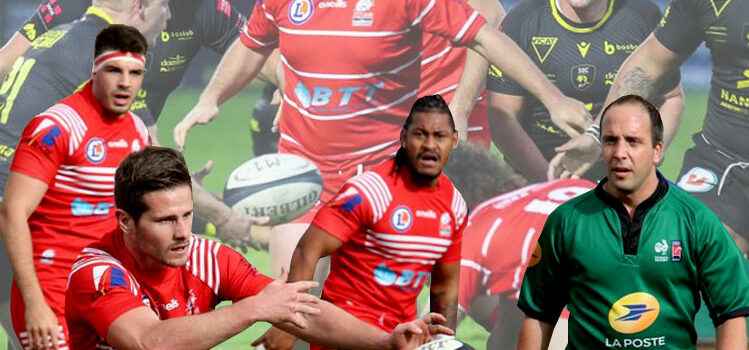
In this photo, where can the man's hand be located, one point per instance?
(276, 339)
(570, 116)
(287, 302)
(412, 334)
(200, 114)
(236, 231)
(574, 158)
(42, 326)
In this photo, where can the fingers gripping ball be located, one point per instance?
(277, 185)
(445, 344)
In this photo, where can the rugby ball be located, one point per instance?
(280, 186)
(445, 344)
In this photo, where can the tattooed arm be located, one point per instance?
(443, 292)
(644, 70)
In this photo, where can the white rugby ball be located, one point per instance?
(445, 344)
(280, 186)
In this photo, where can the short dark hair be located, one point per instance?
(429, 103)
(148, 170)
(120, 37)
(478, 175)
(656, 124)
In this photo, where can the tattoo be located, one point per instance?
(635, 82)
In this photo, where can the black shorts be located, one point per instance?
(720, 180)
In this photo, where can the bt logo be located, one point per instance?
(407, 279)
(322, 96)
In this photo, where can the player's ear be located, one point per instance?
(658, 152)
(455, 140)
(124, 221)
(403, 138)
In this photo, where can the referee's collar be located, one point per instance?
(99, 12)
(658, 194)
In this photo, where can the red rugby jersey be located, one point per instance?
(105, 282)
(393, 233)
(75, 149)
(352, 68)
(501, 235)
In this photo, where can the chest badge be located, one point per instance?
(300, 11)
(96, 151)
(583, 75)
(445, 227)
(401, 219)
(363, 15)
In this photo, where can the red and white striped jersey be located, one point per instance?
(393, 233)
(106, 282)
(352, 67)
(75, 150)
(441, 67)
(501, 235)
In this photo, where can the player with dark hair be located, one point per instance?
(715, 169)
(59, 193)
(581, 43)
(503, 227)
(391, 227)
(632, 258)
(131, 289)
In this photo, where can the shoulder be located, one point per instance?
(458, 205)
(207, 259)
(96, 270)
(140, 127)
(645, 10)
(374, 187)
(574, 210)
(524, 12)
(686, 206)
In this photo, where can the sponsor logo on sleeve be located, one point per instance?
(698, 180)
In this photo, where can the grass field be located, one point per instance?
(227, 141)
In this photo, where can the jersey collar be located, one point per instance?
(579, 28)
(99, 12)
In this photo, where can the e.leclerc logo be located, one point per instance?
(634, 313)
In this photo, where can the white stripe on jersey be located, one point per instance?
(140, 127)
(342, 33)
(402, 260)
(261, 43)
(203, 262)
(523, 258)
(350, 115)
(372, 240)
(91, 256)
(98, 186)
(373, 188)
(420, 249)
(520, 192)
(83, 191)
(71, 121)
(91, 169)
(411, 238)
(478, 267)
(489, 236)
(465, 27)
(350, 76)
(459, 207)
(445, 90)
(437, 55)
(423, 13)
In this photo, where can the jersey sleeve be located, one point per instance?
(50, 14)
(453, 20)
(721, 270)
(460, 214)
(678, 30)
(99, 294)
(43, 146)
(544, 294)
(470, 280)
(496, 80)
(261, 32)
(347, 213)
(239, 279)
(219, 24)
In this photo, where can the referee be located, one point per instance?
(631, 258)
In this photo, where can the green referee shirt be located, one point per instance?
(635, 284)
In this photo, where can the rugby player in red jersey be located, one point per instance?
(131, 289)
(58, 198)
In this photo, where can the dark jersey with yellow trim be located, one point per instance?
(581, 59)
(194, 24)
(634, 283)
(55, 65)
(724, 27)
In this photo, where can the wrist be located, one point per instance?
(594, 131)
(225, 219)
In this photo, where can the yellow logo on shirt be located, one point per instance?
(634, 313)
(535, 257)
(543, 45)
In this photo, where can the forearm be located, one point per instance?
(534, 335)
(303, 263)
(671, 110)
(518, 148)
(207, 207)
(17, 238)
(13, 49)
(443, 292)
(472, 80)
(238, 66)
(202, 331)
(731, 335)
(501, 51)
(336, 328)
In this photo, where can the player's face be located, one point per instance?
(152, 19)
(582, 4)
(628, 149)
(162, 234)
(116, 84)
(428, 142)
